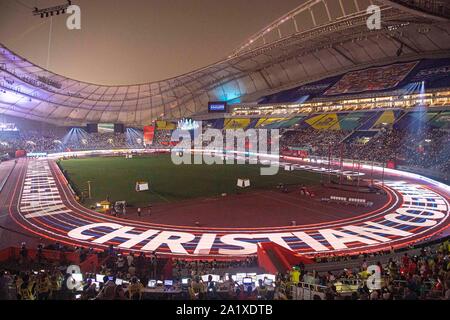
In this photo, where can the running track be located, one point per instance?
(41, 203)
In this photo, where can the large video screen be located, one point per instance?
(8, 127)
(92, 128)
(106, 127)
(372, 79)
(119, 128)
(217, 106)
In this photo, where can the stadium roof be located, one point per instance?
(278, 57)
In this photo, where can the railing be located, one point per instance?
(307, 291)
(440, 8)
(5, 179)
(344, 287)
(89, 264)
(426, 172)
(427, 289)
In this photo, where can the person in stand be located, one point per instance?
(211, 289)
(89, 290)
(135, 289)
(40, 253)
(280, 294)
(18, 280)
(109, 289)
(5, 281)
(120, 293)
(261, 290)
(111, 252)
(121, 262)
(295, 275)
(56, 285)
(153, 265)
(132, 270)
(23, 253)
(198, 289)
(43, 287)
(130, 259)
(26, 291)
(191, 293)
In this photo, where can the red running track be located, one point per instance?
(41, 203)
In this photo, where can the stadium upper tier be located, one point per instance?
(280, 57)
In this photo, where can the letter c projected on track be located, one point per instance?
(78, 232)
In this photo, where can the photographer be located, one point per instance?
(211, 292)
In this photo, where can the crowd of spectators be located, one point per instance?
(36, 277)
(31, 141)
(404, 277)
(162, 138)
(50, 142)
(424, 149)
(193, 268)
(101, 140)
(408, 276)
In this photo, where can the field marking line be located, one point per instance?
(317, 211)
(160, 196)
(288, 173)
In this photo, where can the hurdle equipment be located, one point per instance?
(142, 186)
(243, 183)
(349, 201)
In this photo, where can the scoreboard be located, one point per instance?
(105, 128)
(217, 106)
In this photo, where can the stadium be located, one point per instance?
(309, 161)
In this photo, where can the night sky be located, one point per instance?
(135, 41)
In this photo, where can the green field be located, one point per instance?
(116, 177)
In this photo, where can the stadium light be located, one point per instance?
(50, 11)
(9, 97)
(133, 136)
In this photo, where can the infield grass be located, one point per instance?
(116, 177)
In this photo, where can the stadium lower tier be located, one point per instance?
(39, 200)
